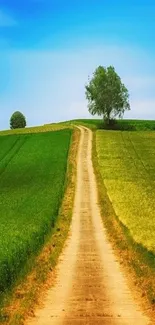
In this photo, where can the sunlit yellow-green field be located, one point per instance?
(127, 165)
(37, 129)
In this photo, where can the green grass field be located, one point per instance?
(94, 124)
(127, 165)
(37, 129)
(33, 164)
(134, 125)
(32, 181)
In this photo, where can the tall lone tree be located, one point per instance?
(106, 94)
(17, 120)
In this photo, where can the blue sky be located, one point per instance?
(49, 47)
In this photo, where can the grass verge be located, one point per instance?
(21, 302)
(135, 259)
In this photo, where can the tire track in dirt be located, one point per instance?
(90, 287)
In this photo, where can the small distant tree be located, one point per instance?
(106, 94)
(17, 120)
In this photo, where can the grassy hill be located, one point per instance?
(95, 124)
(37, 129)
(132, 125)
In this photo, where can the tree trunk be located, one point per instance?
(108, 119)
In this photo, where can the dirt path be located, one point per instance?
(90, 288)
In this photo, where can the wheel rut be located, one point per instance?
(90, 287)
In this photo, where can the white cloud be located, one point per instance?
(6, 19)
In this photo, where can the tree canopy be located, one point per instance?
(106, 94)
(17, 120)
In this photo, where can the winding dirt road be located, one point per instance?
(90, 287)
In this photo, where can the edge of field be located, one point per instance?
(30, 291)
(38, 129)
(134, 259)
